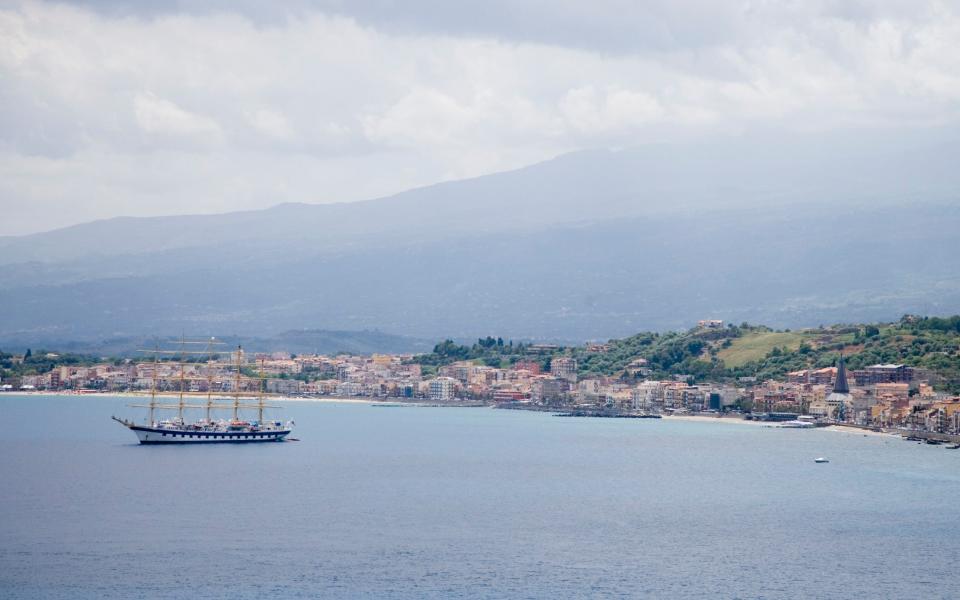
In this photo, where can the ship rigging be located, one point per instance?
(207, 429)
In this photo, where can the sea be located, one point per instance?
(426, 502)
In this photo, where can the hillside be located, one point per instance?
(756, 345)
(591, 244)
(743, 351)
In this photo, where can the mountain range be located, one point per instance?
(589, 245)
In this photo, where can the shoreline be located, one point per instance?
(706, 419)
(859, 431)
(837, 428)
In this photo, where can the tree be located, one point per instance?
(27, 354)
(842, 411)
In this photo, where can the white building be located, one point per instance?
(648, 395)
(442, 388)
(710, 324)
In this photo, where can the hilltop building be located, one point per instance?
(825, 376)
(883, 374)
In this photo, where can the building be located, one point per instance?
(500, 396)
(443, 389)
(774, 396)
(283, 386)
(543, 348)
(343, 371)
(460, 371)
(883, 374)
(648, 396)
(823, 376)
(527, 365)
(564, 368)
(546, 389)
(638, 368)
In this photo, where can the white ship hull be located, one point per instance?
(154, 435)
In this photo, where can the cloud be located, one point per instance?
(372, 97)
(589, 111)
(157, 116)
(270, 123)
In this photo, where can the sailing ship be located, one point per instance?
(208, 429)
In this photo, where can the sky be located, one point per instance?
(155, 107)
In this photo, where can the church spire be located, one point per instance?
(840, 385)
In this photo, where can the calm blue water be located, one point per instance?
(429, 502)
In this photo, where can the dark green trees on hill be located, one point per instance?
(704, 354)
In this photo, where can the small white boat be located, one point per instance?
(797, 424)
(820, 460)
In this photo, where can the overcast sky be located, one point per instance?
(160, 107)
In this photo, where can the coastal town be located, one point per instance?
(894, 397)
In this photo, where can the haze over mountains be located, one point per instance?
(589, 245)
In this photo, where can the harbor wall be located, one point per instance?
(928, 435)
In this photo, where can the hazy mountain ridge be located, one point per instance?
(581, 187)
(306, 341)
(594, 281)
(590, 245)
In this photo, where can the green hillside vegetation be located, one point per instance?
(741, 351)
(488, 351)
(756, 345)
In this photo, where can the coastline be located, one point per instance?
(705, 419)
(837, 428)
(859, 431)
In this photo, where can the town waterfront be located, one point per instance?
(412, 502)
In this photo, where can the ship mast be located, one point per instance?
(236, 386)
(179, 356)
(209, 379)
(182, 357)
(153, 387)
(261, 383)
